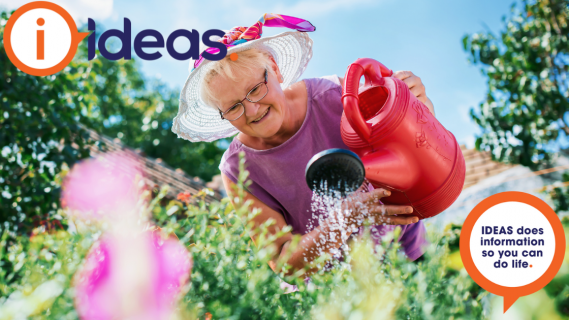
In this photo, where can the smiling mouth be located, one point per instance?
(262, 116)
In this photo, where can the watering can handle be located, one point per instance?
(372, 71)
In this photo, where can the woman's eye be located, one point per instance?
(232, 109)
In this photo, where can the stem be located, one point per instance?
(310, 248)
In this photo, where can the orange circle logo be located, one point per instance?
(512, 244)
(49, 29)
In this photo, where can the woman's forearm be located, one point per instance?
(323, 239)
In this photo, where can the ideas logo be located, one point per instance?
(41, 39)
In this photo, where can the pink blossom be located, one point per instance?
(132, 277)
(97, 187)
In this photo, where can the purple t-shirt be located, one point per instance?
(277, 174)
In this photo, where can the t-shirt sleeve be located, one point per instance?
(326, 95)
(413, 237)
(414, 240)
(334, 79)
(229, 166)
(326, 83)
(225, 168)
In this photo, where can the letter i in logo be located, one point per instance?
(41, 40)
(47, 27)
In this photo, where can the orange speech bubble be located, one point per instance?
(511, 293)
(76, 38)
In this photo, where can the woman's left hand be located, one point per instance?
(416, 87)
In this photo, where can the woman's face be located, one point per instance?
(269, 109)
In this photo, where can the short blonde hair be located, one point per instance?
(248, 61)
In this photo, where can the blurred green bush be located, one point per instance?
(231, 278)
(40, 136)
(523, 117)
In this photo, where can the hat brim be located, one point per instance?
(196, 121)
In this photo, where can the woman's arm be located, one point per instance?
(306, 250)
(309, 247)
(416, 86)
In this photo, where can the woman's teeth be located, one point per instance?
(261, 117)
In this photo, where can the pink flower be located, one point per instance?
(136, 277)
(97, 187)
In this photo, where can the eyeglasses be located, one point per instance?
(254, 95)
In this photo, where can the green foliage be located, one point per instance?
(36, 273)
(385, 285)
(231, 278)
(41, 138)
(434, 290)
(124, 104)
(525, 111)
(558, 193)
(558, 289)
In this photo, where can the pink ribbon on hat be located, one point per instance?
(239, 35)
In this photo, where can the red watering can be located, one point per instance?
(403, 147)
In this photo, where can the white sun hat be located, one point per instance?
(196, 121)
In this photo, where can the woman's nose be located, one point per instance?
(251, 108)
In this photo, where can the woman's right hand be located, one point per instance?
(364, 205)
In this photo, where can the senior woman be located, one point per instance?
(280, 125)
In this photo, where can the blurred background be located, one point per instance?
(422, 37)
(496, 72)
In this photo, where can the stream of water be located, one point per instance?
(344, 216)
